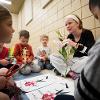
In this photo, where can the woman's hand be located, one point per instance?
(69, 42)
(4, 62)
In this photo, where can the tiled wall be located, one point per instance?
(53, 18)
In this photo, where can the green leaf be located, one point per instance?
(66, 52)
(58, 33)
(60, 37)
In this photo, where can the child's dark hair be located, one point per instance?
(24, 33)
(94, 3)
(4, 13)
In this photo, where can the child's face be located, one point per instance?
(6, 30)
(44, 41)
(23, 40)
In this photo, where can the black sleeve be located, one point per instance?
(70, 36)
(87, 40)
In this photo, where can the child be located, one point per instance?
(43, 53)
(24, 55)
(6, 31)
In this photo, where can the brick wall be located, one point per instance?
(53, 18)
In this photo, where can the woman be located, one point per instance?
(79, 38)
(88, 86)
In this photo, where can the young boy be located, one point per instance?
(24, 55)
(43, 53)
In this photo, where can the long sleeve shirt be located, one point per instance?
(40, 49)
(86, 39)
(19, 52)
(4, 53)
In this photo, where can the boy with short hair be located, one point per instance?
(24, 54)
(43, 53)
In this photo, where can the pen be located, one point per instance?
(59, 92)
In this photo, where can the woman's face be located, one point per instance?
(72, 26)
(6, 30)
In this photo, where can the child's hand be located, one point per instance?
(11, 60)
(24, 61)
(4, 62)
(29, 60)
(43, 58)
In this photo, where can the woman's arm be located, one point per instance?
(85, 43)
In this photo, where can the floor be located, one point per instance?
(21, 77)
(37, 94)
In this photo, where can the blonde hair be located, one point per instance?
(75, 18)
(44, 36)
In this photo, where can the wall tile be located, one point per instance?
(89, 23)
(76, 4)
(84, 2)
(86, 12)
(67, 10)
(98, 33)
